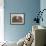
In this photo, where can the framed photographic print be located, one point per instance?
(17, 18)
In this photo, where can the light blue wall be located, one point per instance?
(43, 6)
(29, 8)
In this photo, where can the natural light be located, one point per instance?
(1, 20)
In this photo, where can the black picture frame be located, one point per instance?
(17, 18)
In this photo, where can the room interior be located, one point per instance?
(15, 32)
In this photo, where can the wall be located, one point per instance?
(29, 8)
(43, 6)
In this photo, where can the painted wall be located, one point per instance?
(29, 8)
(43, 6)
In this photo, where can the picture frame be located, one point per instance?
(17, 18)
